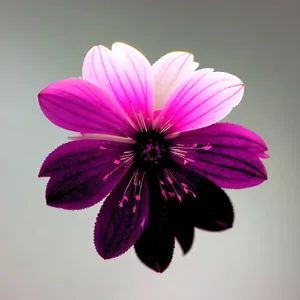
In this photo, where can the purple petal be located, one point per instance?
(225, 135)
(79, 106)
(123, 216)
(126, 75)
(203, 99)
(227, 154)
(82, 172)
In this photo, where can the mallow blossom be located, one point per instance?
(150, 142)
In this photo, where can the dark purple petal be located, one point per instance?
(155, 247)
(226, 154)
(77, 105)
(196, 201)
(185, 237)
(82, 172)
(211, 210)
(182, 223)
(123, 216)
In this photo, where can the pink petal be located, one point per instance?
(203, 99)
(83, 172)
(169, 72)
(263, 155)
(126, 75)
(79, 106)
(156, 114)
(226, 154)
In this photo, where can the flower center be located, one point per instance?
(151, 149)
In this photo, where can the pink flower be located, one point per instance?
(149, 140)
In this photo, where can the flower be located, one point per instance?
(149, 140)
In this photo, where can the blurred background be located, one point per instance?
(48, 254)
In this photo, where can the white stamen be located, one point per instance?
(172, 135)
(103, 137)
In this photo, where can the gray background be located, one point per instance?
(48, 254)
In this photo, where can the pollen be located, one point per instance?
(151, 149)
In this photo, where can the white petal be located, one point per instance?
(169, 72)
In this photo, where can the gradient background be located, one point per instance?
(48, 254)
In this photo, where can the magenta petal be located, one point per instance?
(79, 106)
(126, 75)
(203, 99)
(156, 114)
(227, 154)
(82, 172)
(123, 216)
(263, 155)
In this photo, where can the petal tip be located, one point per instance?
(264, 155)
(42, 174)
(117, 44)
(224, 226)
(185, 252)
(105, 254)
(51, 204)
(264, 174)
(160, 269)
(40, 95)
